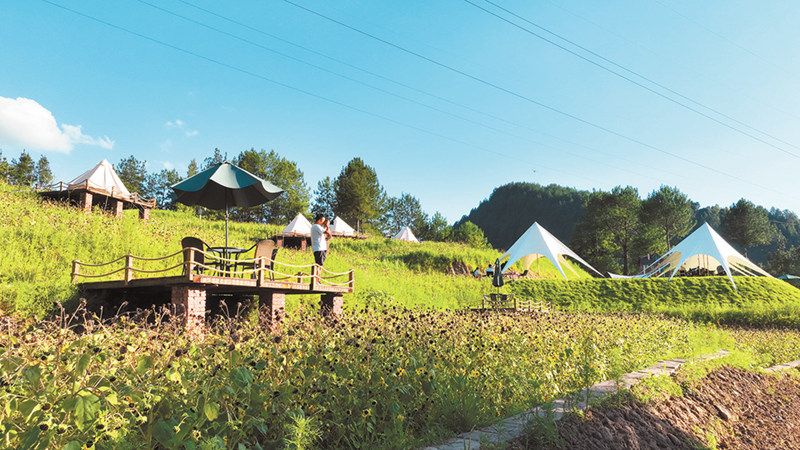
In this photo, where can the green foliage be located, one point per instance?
(282, 173)
(470, 234)
(158, 186)
(133, 173)
(359, 196)
(23, 170)
(324, 198)
(513, 207)
(608, 231)
(436, 229)
(746, 225)
(44, 176)
(669, 210)
(394, 378)
(405, 211)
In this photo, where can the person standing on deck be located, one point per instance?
(320, 232)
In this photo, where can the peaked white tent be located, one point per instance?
(340, 228)
(705, 248)
(406, 235)
(536, 243)
(299, 226)
(102, 177)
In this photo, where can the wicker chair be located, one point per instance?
(264, 248)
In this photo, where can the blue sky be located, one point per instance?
(444, 99)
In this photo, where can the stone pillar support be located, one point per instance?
(274, 306)
(332, 305)
(144, 214)
(116, 208)
(190, 305)
(86, 202)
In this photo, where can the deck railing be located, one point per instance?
(263, 269)
(114, 193)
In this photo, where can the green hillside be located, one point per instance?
(42, 239)
(757, 301)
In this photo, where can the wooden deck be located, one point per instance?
(187, 283)
(87, 197)
(220, 284)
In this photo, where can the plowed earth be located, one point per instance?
(728, 408)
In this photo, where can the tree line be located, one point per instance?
(355, 194)
(613, 229)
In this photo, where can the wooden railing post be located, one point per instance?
(189, 261)
(315, 273)
(352, 279)
(261, 265)
(75, 267)
(128, 268)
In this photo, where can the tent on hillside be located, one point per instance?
(537, 243)
(406, 235)
(102, 177)
(340, 228)
(100, 187)
(299, 226)
(704, 249)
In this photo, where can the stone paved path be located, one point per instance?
(513, 427)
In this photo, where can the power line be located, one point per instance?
(302, 91)
(523, 97)
(231, 35)
(666, 97)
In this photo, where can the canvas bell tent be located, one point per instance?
(102, 177)
(100, 187)
(299, 226)
(537, 243)
(340, 228)
(406, 235)
(704, 249)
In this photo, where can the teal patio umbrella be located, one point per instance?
(222, 186)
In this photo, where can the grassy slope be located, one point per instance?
(41, 240)
(758, 300)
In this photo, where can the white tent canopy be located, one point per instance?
(406, 235)
(536, 243)
(102, 177)
(340, 228)
(705, 248)
(299, 226)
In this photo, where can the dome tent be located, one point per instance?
(536, 242)
(705, 248)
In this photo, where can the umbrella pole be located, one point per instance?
(226, 225)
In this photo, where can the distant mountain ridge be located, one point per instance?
(513, 207)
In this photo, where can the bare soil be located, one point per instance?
(728, 408)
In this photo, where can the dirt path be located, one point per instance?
(729, 408)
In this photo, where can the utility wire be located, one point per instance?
(303, 91)
(489, 127)
(528, 99)
(643, 86)
(426, 93)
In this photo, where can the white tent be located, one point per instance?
(536, 243)
(102, 177)
(705, 248)
(340, 228)
(299, 226)
(406, 235)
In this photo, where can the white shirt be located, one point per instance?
(318, 241)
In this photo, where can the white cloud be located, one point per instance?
(178, 124)
(27, 124)
(76, 136)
